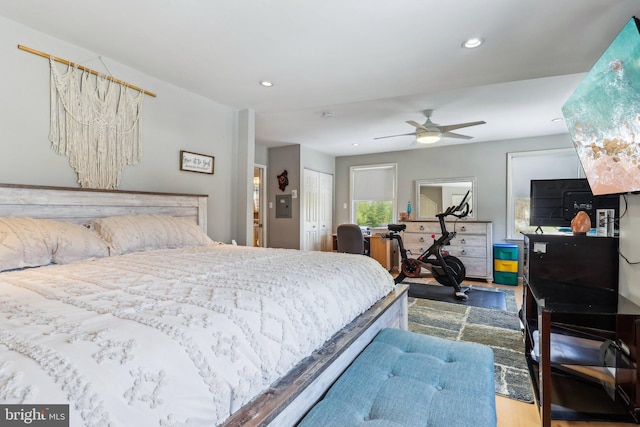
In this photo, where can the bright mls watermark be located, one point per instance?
(34, 415)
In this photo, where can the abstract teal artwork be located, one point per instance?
(603, 116)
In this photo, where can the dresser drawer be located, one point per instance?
(475, 267)
(503, 278)
(461, 227)
(467, 251)
(456, 251)
(416, 239)
(415, 250)
(505, 251)
(504, 265)
(423, 227)
(468, 228)
(471, 240)
(426, 240)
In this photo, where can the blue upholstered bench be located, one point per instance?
(408, 379)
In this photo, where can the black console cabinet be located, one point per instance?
(587, 261)
(577, 336)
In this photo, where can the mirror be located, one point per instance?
(435, 195)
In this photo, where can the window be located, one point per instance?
(521, 169)
(373, 195)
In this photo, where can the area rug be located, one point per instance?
(478, 296)
(498, 329)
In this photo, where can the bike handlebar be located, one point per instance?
(452, 209)
(463, 208)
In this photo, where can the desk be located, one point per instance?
(379, 249)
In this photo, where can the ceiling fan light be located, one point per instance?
(472, 43)
(428, 137)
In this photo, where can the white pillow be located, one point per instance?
(134, 233)
(24, 242)
(74, 242)
(32, 242)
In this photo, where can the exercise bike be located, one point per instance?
(446, 269)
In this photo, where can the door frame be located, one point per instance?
(262, 194)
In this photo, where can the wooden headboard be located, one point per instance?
(81, 205)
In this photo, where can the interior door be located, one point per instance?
(311, 225)
(259, 234)
(325, 211)
(318, 211)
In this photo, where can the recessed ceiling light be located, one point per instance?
(266, 83)
(557, 119)
(327, 114)
(472, 43)
(355, 144)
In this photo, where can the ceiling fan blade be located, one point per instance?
(455, 135)
(393, 136)
(416, 125)
(445, 129)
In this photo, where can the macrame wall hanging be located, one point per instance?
(96, 126)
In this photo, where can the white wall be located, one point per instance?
(289, 232)
(283, 232)
(629, 277)
(261, 155)
(245, 154)
(487, 161)
(175, 120)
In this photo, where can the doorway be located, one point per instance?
(259, 234)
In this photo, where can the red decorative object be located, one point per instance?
(581, 223)
(283, 181)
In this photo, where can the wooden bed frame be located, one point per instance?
(287, 401)
(80, 205)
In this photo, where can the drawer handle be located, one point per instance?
(463, 252)
(463, 228)
(422, 227)
(463, 241)
(421, 239)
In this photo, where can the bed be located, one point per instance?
(168, 327)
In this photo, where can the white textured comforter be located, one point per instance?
(173, 337)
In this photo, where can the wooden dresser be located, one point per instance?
(473, 243)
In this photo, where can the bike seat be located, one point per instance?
(396, 227)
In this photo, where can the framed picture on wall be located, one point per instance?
(194, 162)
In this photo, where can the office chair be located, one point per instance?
(350, 239)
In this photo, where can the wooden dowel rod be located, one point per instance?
(88, 70)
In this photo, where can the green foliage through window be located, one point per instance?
(522, 212)
(374, 214)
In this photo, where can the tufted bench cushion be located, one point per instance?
(408, 379)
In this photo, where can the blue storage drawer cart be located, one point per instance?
(505, 263)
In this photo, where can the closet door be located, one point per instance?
(318, 211)
(325, 211)
(310, 214)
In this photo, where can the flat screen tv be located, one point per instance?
(603, 116)
(554, 202)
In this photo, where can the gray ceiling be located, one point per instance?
(373, 63)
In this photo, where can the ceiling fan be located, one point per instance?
(429, 132)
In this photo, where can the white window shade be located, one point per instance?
(522, 167)
(374, 183)
(550, 164)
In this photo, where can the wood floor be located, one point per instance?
(512, 413)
